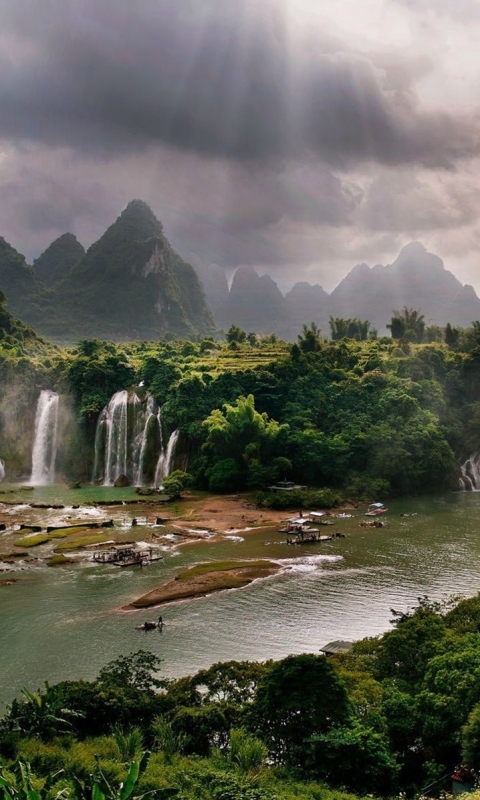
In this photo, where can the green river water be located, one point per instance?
(67, 622)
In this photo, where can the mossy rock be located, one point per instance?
(79, 542)
(33, 540)
(58, 560)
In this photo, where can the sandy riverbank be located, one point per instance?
(219, 514)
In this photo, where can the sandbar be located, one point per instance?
(204, 579)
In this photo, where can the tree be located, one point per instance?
(136, 671)
(355, 757)
(235, 334)
(309, 341)
(405, 651)
(299, 697)
(341, 328)
(451, 335)
(408, 324)
(239, 438)
(176, 483)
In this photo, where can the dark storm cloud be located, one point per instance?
(221, 79)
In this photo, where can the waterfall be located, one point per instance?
(45, 442)
(2, 469)
(165, 461)
(127, 437)
(470, 480)
(151, 412)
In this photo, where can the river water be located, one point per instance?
(67, 622)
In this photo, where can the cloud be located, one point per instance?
(401, 201)
(220, 79)
(465, 10)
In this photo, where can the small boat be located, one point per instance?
(150, 625)
(374, 509)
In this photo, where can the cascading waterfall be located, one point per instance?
(45, 442)
(470, 480)
(128, 440)
(165, 461)
(141, 441)
(2, 469)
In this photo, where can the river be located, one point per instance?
(67, 622)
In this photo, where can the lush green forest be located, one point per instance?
(395, 713)
(384, 416)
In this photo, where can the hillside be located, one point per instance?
(18, 282)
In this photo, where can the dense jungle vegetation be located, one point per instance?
(396, 713)
(382, 416)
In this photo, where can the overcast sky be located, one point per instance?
(299, 136)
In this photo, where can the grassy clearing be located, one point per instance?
(223, 566)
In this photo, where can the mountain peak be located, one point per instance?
(415, 256)
(412, 250)
(58, 259)
(137, 222)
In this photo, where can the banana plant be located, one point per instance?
(19, 786)
(97, 787)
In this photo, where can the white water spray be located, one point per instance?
(165, 461)
(470, 480)
(2, 469)
(126, 432)
(45, 442)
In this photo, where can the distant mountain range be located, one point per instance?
(131, 284)
(416, 279)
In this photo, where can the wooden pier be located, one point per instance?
(127, 555)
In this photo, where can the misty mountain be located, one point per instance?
(215, 285)
(255, 303)
(131, 284)
(58, 259)
(416, 279)
(306, 304)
